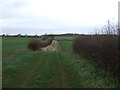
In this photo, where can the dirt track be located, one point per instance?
(54, 46)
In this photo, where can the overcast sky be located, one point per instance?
(55, 16)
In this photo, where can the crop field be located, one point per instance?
(23, 68)
(65, 37)
(66, 45)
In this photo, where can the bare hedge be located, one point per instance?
(104, 48)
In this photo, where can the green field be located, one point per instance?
(66, 45)
(64, 37)
(53, 69)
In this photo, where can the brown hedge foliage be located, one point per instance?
(104, 48)
(36, 44)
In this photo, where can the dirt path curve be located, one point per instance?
(54, 46)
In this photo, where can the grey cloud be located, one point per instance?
(32, 24)
(9, 9)
(14, 4)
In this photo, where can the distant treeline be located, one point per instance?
(49, 35)
(19, 35)
(67, 34)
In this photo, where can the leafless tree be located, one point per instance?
(110, 29)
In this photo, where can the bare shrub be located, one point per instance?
(34, 45)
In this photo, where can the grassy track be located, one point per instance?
(22, 68)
